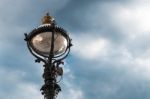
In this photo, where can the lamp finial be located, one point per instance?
(47, 19)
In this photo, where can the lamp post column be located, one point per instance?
(50, 44)
(50, 89)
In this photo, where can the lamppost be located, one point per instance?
(49, 44)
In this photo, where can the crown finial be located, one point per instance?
(47, 19)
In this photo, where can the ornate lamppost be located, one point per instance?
(49, 44)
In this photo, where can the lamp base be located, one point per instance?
(50, 89)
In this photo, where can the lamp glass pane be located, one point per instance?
(42, 43)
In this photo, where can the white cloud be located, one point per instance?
(137, 66)
(71, 93)
(130, 19)
(133, 19)
(26, 91)
(89, 47)
(69, 89)
(142, 65)
(13, 87)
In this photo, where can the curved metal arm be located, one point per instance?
(38, 58)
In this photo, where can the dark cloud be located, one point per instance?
(106, 80)
(91, 17)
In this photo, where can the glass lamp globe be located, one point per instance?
(41, 43)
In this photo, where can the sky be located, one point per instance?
(110, 57)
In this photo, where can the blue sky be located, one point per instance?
(110, 58)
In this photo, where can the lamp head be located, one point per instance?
(41, 39)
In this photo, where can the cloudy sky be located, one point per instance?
(110, 58)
